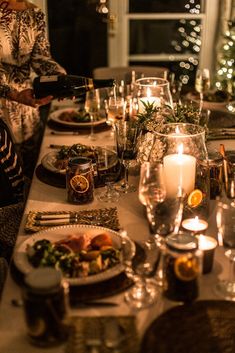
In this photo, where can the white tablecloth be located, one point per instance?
(43, 197)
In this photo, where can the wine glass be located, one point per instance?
(225, 217)
(164, 213)
(152, 191)
(115, 110)
(107, 161)
(92, 106)
(127, 135)
(202, 83)
(141, 270)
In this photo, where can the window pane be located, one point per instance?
(164, 36)
(184, 70)
(192, 6)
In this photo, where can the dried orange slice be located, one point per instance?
(195, 198)
(79, 183)
(186, 269)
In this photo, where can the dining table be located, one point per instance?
(45, 197)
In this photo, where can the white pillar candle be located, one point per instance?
(179, 172)
(194, 224)
(149, 99)
(206, 243)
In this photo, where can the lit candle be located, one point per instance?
(148, 100)
(194, 224)
(179, 172)
(207, 245)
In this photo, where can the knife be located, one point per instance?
(64, 133)
(55, 216)
(55, 222)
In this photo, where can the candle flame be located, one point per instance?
(177, 130)
(149, 93)
(180, 149)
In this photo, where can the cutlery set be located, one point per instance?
(55, 219)
(218, 133)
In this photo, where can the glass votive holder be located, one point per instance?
(79, 180)
(182, 266)
(45, 298)
(207, 246)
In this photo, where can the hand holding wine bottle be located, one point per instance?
(65, 86)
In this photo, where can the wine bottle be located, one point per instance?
(66, 86)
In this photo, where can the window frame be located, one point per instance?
(118, 34)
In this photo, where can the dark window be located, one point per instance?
(164, 6)
(78, 35)
(164, 36)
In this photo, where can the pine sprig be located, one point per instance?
(184, 113)
(150, 110)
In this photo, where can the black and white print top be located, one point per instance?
(24, 50)
(11, 175)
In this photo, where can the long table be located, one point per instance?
(43, 197)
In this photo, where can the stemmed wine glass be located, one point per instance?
(164, 213)
(152, 191)
(225, 217)
(92, 106)
(115, 107)
(107, 161)
(127, 139)
(141, 269)
(202, 83)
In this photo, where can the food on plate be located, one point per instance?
(75, 116)
(75, 255)
(75, 150)
(217, 96)
(100, 241)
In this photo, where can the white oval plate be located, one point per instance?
(49, 161)
(55, 116)
(57, 233)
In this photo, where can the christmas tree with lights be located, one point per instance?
(225, 75)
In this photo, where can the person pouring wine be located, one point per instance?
(24, 50)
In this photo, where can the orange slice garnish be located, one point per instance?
(79, 183)
(195, 198)
(186, 269)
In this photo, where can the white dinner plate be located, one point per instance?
(207, 104)
(57, 233)
(49, 163)
(55, 116)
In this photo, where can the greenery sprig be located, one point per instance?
(152, 115)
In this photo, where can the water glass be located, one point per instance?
(225, 219)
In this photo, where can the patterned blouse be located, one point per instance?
(24, 49)
(11, 175)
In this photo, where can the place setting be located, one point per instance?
(89, 115)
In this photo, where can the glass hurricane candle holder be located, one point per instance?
(153, 90)
(181, 148)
